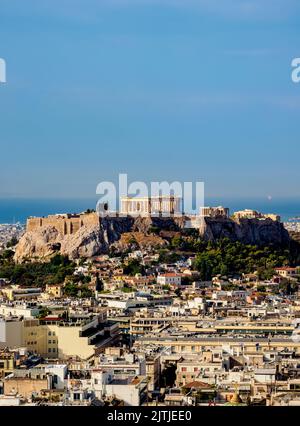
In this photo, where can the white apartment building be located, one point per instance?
(23, 309)
(169, 279)
(131, 390)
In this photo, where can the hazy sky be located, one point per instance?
(158, 89)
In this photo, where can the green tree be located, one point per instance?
(178, 292)
(133, 267)
(13, 242)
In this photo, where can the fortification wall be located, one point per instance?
(65, 224)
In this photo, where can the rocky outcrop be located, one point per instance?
(247, 231)
(140, 232)
(40, 244)
(145, 224)
(92, 240)
(138, 240)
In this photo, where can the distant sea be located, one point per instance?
(17, 210)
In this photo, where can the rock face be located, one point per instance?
(138, 240)
(90, 240)
(123, 232)
(247, 231)
(40, 244)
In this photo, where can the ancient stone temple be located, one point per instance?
(151, 206)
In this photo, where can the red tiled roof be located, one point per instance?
(285, 268)
(169, 274)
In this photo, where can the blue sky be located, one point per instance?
(159, 89)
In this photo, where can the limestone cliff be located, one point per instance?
(42, 241)
(247, 231)
(89, 240)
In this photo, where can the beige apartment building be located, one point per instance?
(287, 272)
(26, 385)
(195, 345)
(54, 290)
(142, 324)
(55, 338)
(188, 370)
(16, 292)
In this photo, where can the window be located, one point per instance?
(294, 386)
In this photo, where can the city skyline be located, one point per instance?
(149, 207)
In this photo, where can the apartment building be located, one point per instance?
(54, 337)
(169, 279)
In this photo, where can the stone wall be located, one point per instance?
(65, 224)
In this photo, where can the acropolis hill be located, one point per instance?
(90, 234)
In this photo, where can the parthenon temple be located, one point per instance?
(147, 206)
